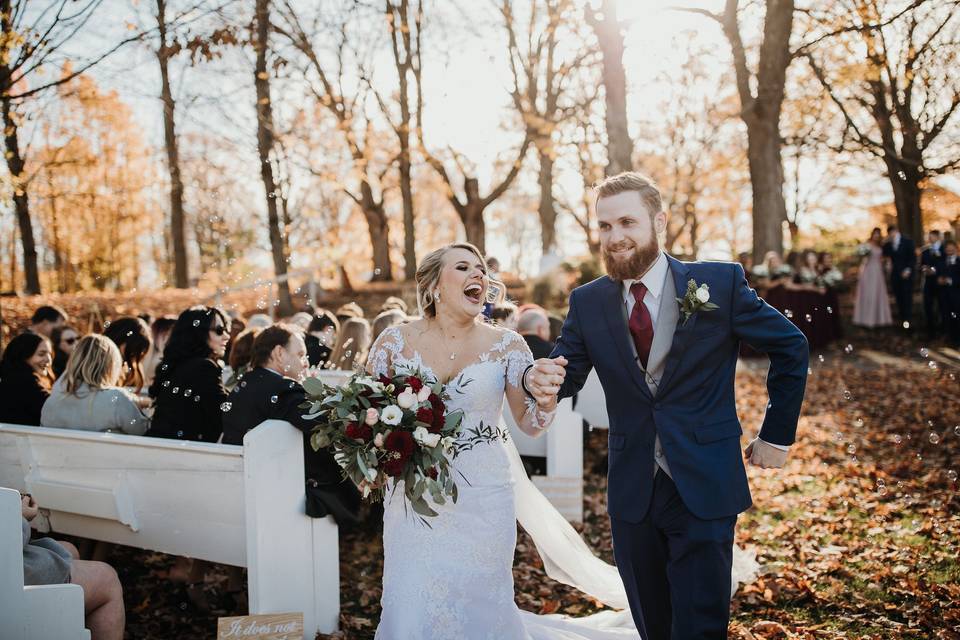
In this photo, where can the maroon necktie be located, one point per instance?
(641, 325)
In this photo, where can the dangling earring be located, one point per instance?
(436, 296)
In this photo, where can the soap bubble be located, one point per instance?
(274, 399)
(934, 438)
(196, 323)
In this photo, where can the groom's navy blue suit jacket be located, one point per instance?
(694, 411)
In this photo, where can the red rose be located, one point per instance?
(361, 432)
(425, 415)
(415, 383)
(432, 472)
(394, 467)
(438, 410)
(385, 380)
(400, 442)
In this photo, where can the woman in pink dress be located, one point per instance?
(872, 306)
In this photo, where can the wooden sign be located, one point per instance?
(280, 626)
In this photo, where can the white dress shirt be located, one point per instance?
(653, 280)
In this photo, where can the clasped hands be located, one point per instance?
(543, 381)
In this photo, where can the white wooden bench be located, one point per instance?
(36, 612)
(234, 505)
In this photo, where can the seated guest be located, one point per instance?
(260, 320)
(534, 326)
(504, 315)
(25, 379)
(272, 391)
(301, 320)
(321, 337)
(236, 328)
(48, 561)
(132, 337)
(387, 319)
(47, 318)
(239, 361)
(63, 340)
(352, 345)
(556, 326)
(393, 302)
(87, 396)
(188, 389)
(159, 334)
(347, 311)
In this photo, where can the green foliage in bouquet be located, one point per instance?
(389, 427)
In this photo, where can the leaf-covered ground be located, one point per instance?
(858, 537)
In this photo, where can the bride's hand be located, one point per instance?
(544, 380)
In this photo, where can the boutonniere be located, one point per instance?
(696, 299)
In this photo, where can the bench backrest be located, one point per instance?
(183, 498)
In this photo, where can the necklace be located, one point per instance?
(453, 354)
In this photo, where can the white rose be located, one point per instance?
(378, 441)
(424, 394)
(426, 438)
(447, 443)
(392, 415)
(407, 399)
(372, 417)
(703, 294)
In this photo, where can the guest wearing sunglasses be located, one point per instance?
(64, 339)
(188, 388)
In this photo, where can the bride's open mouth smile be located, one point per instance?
(474, 293)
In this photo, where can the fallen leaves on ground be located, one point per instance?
(858, 537)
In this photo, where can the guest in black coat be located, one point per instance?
(63, 339)
(931, 265)
(25, 379)
(188, 388)
(320, 338)
(270, 391)
(949, 282)
(903, 258)
(534, 326)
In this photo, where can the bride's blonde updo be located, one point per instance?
(428, 276)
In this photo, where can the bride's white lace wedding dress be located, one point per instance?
(453, 580)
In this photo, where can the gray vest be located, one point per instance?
(667, 318)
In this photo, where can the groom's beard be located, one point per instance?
(636, 265)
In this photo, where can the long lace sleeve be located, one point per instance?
(387, 346)
(517, 356)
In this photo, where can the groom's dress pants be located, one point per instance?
(676, 568)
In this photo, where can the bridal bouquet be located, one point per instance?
(382, 428)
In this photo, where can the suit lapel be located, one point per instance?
(678, 345)
(613, 312)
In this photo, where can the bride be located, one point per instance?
(454, 578)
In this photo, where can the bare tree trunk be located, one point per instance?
(766, 177)
(406, 57)
(760, 111)
(475, 227)
(379, 231)
(547, 209)
(610, 37)
(905, 182)
(181, 275)
(21, 203)
(264, 147)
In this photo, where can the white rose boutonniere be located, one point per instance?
(697, 298)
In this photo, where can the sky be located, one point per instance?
(466, 83)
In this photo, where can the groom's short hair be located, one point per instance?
(645, 187)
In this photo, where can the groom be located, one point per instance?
(676, 478)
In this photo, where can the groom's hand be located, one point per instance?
(545, 378)
(761, 454)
